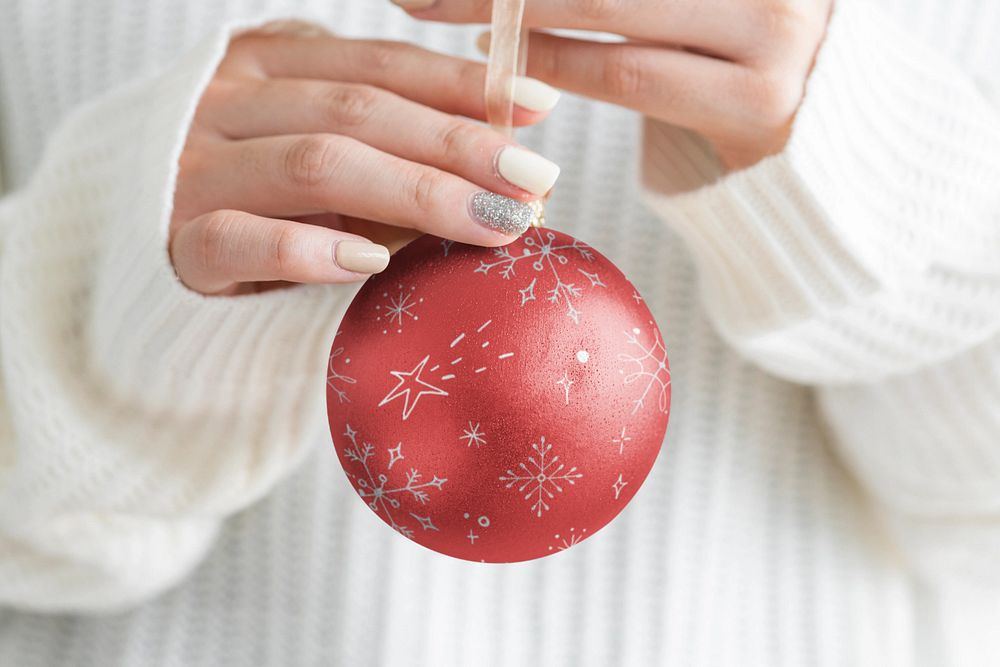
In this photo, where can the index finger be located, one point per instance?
(447, 83)
(706, 25)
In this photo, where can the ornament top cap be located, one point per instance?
(538, 213)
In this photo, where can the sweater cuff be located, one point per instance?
(824, 223)
(247, 372)
(169, 348)
(155, 340)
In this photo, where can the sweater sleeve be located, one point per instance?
(864, 260)
(136, 414)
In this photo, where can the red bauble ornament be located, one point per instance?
(498, 404)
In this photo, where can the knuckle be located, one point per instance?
(377, 55)
(456, 139)
(470, 76)
(243, 47)
(596, 10)
(791, 27)
(349, 105)
(549, 62)
(285, 249)
(311, 160)
(213, 241)
(193, 162)
(218, 92)
(220, 95)
(777, 18)
(244, 55)
(624, 72)
(769, 97)
(421, 191)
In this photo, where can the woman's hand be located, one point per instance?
(307, 148)
(732, 70)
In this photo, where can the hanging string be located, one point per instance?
(508, 57)
(508, 48)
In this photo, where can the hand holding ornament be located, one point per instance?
(312, 157)
(733, 71)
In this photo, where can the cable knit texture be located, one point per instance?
(829, 490)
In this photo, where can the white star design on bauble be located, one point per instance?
(408, 382)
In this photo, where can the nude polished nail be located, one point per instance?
(413, 4)
(361, 256)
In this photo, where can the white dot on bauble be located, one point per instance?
(583, 356)
(635, 330)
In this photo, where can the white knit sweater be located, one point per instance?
(829, 488)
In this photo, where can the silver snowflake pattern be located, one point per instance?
(473, 435)
(651, 364)
(469, 341)
(541, 479)
(546, 257)
(565, 383)
(411, 387)
(620, 440)
(397, 308)
(568, 541)
(376, 490)
(618, 486)
(335, 376)
(483, 522)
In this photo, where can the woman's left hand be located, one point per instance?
(732, 70)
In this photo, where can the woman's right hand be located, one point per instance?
(311, 157)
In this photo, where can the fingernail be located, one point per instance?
(534, 95)
(413, 4)
(483, 43)
(526, 170)
(361, 256)
(503, 214)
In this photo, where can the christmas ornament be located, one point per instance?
(498, 404)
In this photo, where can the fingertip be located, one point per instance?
(525, 117)
(414, 5)
(526, 169)
(483, 42)
(535, 95)
(361, 256)
(500, 220)
(506, 239)
(533, 98)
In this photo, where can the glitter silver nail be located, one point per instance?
(500, 213)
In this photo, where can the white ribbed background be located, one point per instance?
(748, 545)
